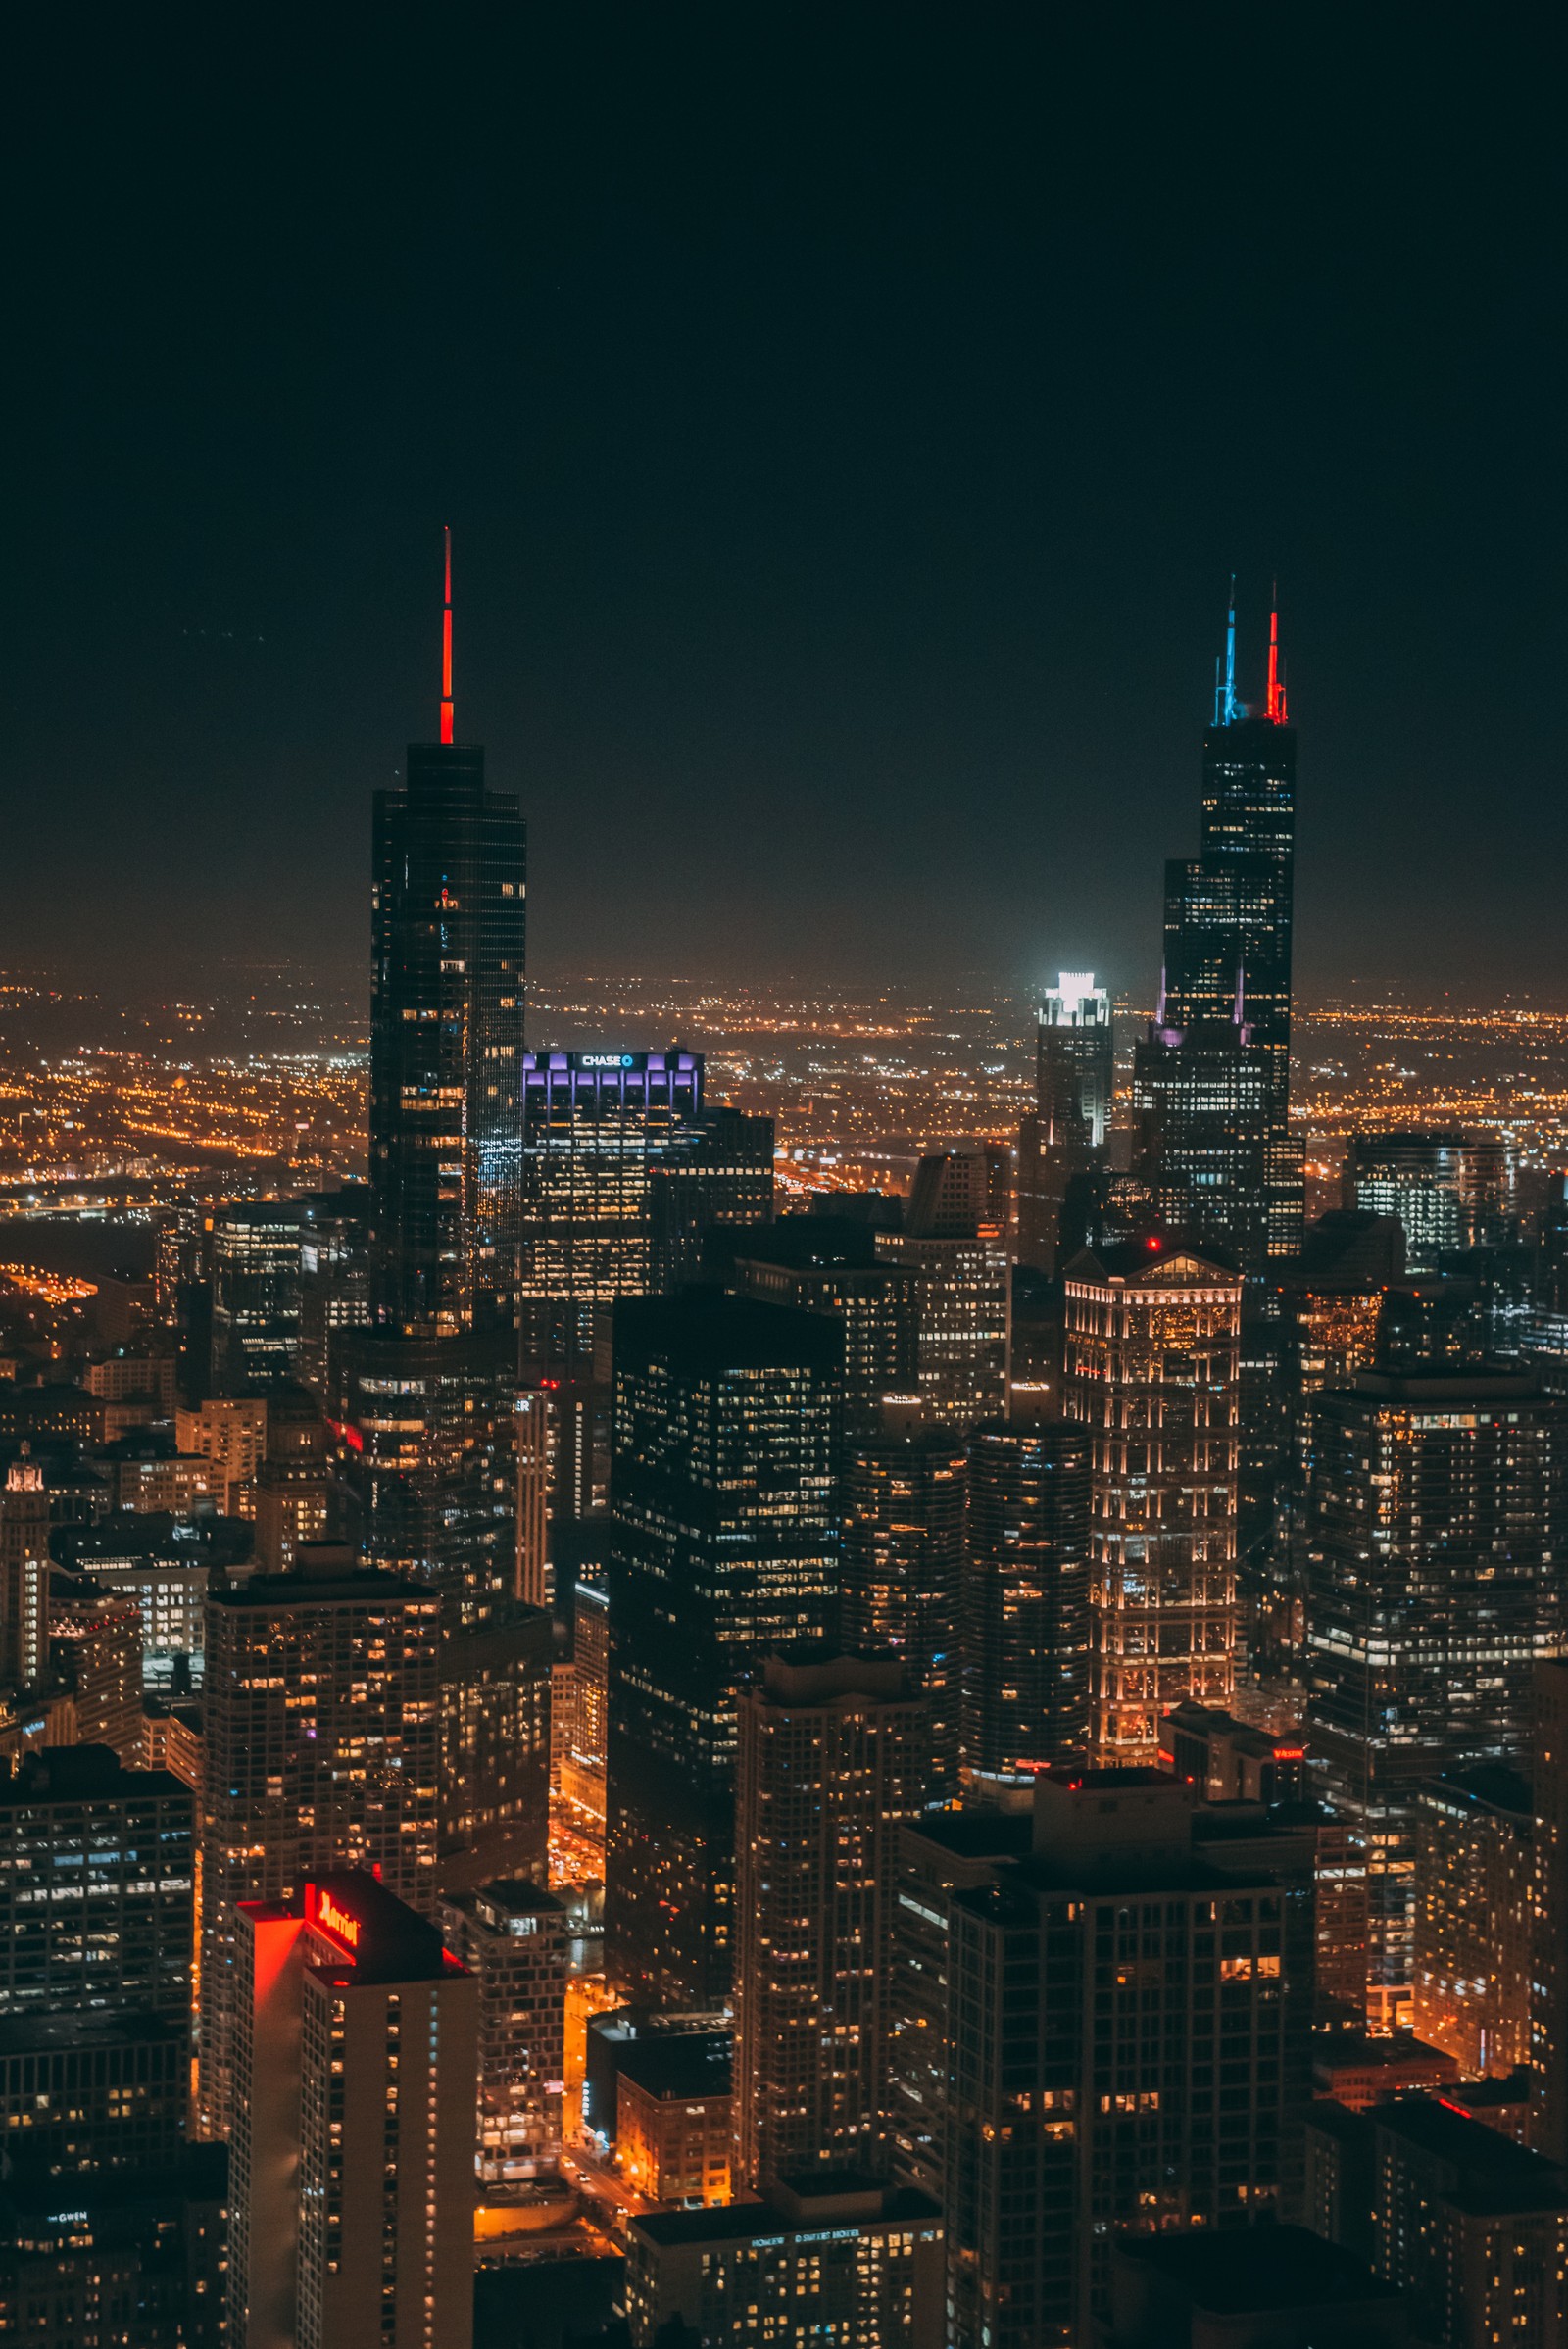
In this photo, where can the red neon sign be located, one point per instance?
(333, 1920)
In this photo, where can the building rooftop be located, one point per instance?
(677, 2064)
(710, 1332)
(978, 1835)
(1251, 2270)
(810, 2201)
(43, 2034)
(1490, 2174)
(1162, 1258)
(83, 1773)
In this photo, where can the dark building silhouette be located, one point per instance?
(831, 1761)
(1227, 952)
(1435, 1522)
(725, 1544)
(903, 1535)
(448, 922)
(1027, 1635)
(1126, 2126)
(824, 1265)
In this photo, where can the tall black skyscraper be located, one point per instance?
(726, 1544)
(446, 1034)
(1228, 917)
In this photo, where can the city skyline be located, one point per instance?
(843, 546)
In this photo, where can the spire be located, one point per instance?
(1276, 683)
(446, 646)
(1225, 709)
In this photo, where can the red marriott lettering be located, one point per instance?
(335, 1922)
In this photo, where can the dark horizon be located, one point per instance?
(846, 442)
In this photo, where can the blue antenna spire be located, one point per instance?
(1226, 711)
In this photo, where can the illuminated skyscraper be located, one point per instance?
(322, 1747)
(256, 1291)
(1418, 1177)
(827, 1264)
(1228, 926)
(1153, 1336)
(1026, 1624)
(593, 1126)
(904, 1520)
(1437, 1510)
(23, 1572)
(830, 1762)
(445, 1035)
(1074, 1080)
(954, 1246)
(724, 1545)
(1113, 1978)
(1202, 1096)
(352, 2180)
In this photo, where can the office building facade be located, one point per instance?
(1435, 1530)
(904, 1566)
(321, 1751)
(1153, 1365)
(1028, 1633)
(830, 1763)
(725, 1544)
(352, 2181)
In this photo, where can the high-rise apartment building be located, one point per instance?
(515, 1940)
(495, 1745)
(1473, 2228)
(255, 1249)
(1074, 1084)
(940, 1854)
(827, 1264)
(23, 1572)
(1123, 2054)
(840, 2259)
(954, 1247)
(97, 1865)
(724, 1545)
(1435, 1527)
(719, 1176)
(1153, 1353)
(903, 1554)
(1548, 1991)
(352, 2183)
(448, 923)
(321, 1751)
(1026, 1621)
(595, 1125)
(1475, 1899)
(830, 1764)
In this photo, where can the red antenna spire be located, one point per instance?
(1276, 683)
(446, 648)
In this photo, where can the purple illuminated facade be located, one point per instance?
(595, 1124)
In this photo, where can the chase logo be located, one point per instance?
(607, 1059)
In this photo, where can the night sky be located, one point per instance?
(847, 420)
